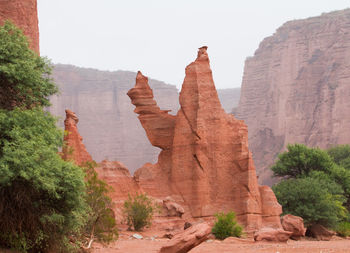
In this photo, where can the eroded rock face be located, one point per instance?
(23, 13)
(205, 163)
(116, 175)
(74, 149)
(295, 88)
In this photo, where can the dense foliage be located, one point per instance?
(24, 76)
(139, 211)
(315, 186)
(341, 155)
(226, 226)
(41, 196)
(343, 229)
(300, 160)
(315, 200)
(101, 224)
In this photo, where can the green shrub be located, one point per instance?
(42, 197)
(101, 224)
(24, 75)
(139, 211)
(226, 226)
(343, 229)
(316, 200)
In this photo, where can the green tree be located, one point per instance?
(42, 197)
(341, 155)
(139, 211)
(314, 198)
(300, 160)
(226, 226)
(24, 76)
(101, 223)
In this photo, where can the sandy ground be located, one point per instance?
(150, 244)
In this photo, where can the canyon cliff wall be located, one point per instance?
(296, 89)
(24, 14)
(110, 128)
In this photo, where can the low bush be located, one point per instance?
(343, 229)
(226, 226)
(139, 211)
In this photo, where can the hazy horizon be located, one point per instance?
(161, 38)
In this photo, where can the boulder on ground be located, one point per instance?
(321, 233)
(294, 224)
(188, 239)
(272, 234)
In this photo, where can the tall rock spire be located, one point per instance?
(206, 163)
(73, 148)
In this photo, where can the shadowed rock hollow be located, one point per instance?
(205, 164)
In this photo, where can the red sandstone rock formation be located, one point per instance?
(294, 224)
(106, 120)
(295, 88)
(205, 164)
(73, 148)
(188, 239)
(272, 234)
(116, 175)
(22, 13)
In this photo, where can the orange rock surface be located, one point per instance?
(73, 148)
(205, 164)
(24, 14)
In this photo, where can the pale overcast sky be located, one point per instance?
(161, 37)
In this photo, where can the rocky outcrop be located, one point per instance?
(188, 239)
(272, 234)
(73, 148)
(294, 224)
(107, 122)
(205, 164)
(116, 175)
(110, 128)
(295, 88)
(23, 13)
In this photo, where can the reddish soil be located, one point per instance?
(149, 244)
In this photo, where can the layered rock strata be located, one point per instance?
(295, 88)
(24, 14)
(205, 163)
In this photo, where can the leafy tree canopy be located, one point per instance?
(24, 76)
(42, 197)
(341, 155)
(315, 199)
(300, 160)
